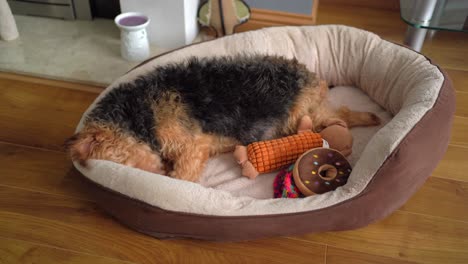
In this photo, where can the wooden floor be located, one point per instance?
(47, 217)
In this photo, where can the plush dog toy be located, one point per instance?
(267, 156)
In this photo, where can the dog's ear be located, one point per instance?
(80, 146)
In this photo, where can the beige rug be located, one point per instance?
(78, 51)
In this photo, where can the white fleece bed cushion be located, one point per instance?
(399, 80)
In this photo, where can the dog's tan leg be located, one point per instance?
(189, 164)
(354, 118)
(189, 152)
(312, 102)
(325, 116)
(322, 114)
(182, 140)
(308, 101)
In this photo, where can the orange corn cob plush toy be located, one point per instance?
(267, 156)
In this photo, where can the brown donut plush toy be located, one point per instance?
(320, 170)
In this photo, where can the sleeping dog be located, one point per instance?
(172, 119)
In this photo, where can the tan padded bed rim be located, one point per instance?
(446, 88)
(104, 188)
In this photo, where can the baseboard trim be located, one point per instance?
(393, 5)
(51, 82)
(277, 17)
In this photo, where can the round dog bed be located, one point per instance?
(412, 95)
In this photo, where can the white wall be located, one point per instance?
(173, 22)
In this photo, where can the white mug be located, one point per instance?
(134, 44)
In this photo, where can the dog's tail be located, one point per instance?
(354, 118)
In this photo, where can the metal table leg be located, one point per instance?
(422, 13)
(436, 16)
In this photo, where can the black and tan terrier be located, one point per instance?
(171, 120)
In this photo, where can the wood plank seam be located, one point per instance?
(326, 253)
(32, 147)
(79, 198)
(179, 245)
(66, 249)
(445, 178)
(457, 145)
(433, 216)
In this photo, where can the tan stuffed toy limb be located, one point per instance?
(267, 156)
(338, 136)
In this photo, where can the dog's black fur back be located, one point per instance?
(240, 97)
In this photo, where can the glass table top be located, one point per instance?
(436, 14)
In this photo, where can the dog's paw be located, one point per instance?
(183, 176)
(172, 174)
(374, 120)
